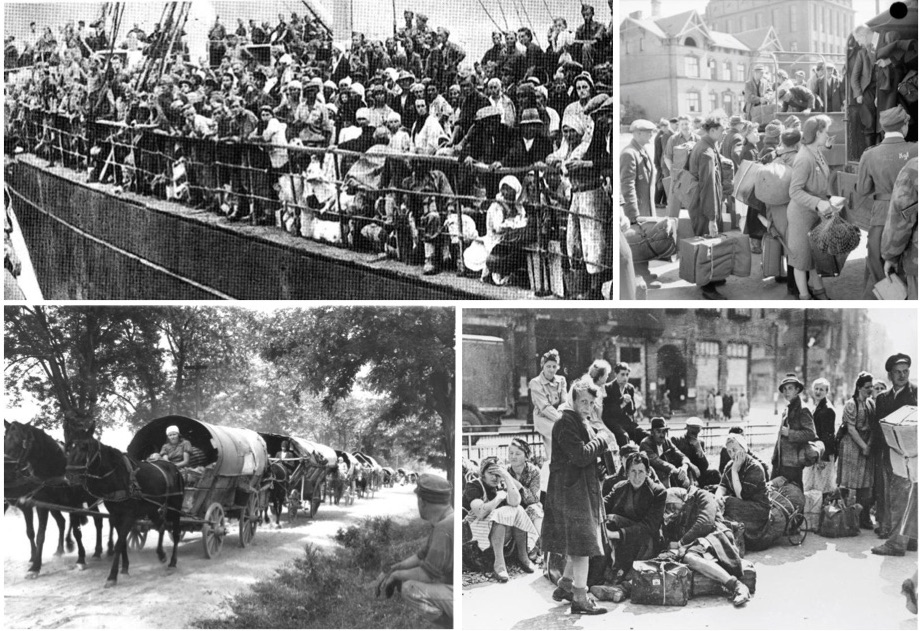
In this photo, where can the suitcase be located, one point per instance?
(704, 259)
(772, 257)
(656, 582)
(705, 586)
(742, 263)
(900, 431)
(838, 520)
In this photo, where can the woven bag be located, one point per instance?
(835, 235)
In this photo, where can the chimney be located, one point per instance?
(636, 15)
(656, 9)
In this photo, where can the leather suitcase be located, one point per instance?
(656, 582)
(772, 258)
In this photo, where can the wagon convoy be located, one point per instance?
(232, 475)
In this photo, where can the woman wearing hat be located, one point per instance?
(744, 486)
(855, 467)
(492, 505)
(796, 431)
(808, 192)
(547, 393)
(527, 476)
(177, 449)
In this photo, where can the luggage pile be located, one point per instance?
(707, 259)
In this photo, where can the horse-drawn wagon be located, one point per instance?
(299, 471)
(344, 478)
(373, 473)
(224, 481)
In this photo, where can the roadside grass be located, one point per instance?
(332, 590)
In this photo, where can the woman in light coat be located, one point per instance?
(808, 192)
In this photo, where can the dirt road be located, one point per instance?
(152, 596)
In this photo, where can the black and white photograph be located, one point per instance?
(322, 149)
(299, 461)
(704, 468)
(768, 150)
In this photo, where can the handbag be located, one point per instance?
(658, 582)
(839, 520)
(890, 288)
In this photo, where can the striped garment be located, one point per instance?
(507, 516)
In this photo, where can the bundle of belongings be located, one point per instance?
(787, 510)
(701, 557)
(707, 259)
(650, 240)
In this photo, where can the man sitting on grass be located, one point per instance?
(426, 578)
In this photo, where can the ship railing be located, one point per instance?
(319, 194)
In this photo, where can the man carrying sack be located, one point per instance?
(878, 168)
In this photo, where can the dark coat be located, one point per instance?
(573, 510)
(753, 482)
(670, 460)
(519, 156)
(696, 454)
(619, 408)
(801, 426)
(825, 417)
(705, 166)
(695, 519)
(640, 525)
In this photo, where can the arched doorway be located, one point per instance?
(672, 376)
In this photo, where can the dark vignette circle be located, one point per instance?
(898, 10)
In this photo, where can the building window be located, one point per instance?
(641, 44)
(692, 102)
(630, 354)
(713, 101)
(740, 72)
(690, 42)
(727, 101)
(740, 314)
(692, 66)
(707, 349)
(727, 70)
(733, 349)
(713, 74)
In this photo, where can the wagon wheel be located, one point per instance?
(181, 535)
(249, 520)
(796, 529)
(213, 530)
(316, 500)
(137, 537)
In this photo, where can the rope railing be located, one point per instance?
(312, 195)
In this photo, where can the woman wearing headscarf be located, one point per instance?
(796, 431)
(585, 91)
(177, 449)
(547, 393)
(808, 192)
(573, 510)
(744, 486)
(856, 471)
(506, 220)
(527, 476)
(492, 505)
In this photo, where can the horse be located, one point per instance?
(277, 477)
(131, 490)
(34, 471)
(360, 481)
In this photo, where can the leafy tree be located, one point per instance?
(404, 353)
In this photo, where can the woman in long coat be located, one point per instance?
(547, 393)
(822, 476)
(573, 511)
(808, 193)
(856, 466)
(796, 431)
(635, 511)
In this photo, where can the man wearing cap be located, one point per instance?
(899, 237)
(636, 185)
(426, 579)
(705, 208)
(818, 84)
(530, 147)
(619, 410)
(669, 462)
(755, 91)
(694, 448)
(892, 491)
(878, 168)
(798, 98)
(661, 142)
(402, 101)
(686, 137)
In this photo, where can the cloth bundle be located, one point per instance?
(705, 259)
(681, 156)
(834, 235)
(744, 179)
(650, 241)
(772, 182)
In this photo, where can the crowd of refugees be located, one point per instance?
(694, 162)
(612, 492)
(406, 146)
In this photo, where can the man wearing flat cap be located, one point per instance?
(878, 168)
(426, 579)
(892, 491)
(899, 237)
(669, 462)
(661, 170)
(694, 448)
(755, 91)
(636, 184)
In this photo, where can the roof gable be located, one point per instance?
(764, 38)
(677, 25)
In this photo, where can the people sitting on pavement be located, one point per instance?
(743, 486)
(692, 446)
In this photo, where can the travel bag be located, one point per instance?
(839, 520)
(650, 241)
(656, 582)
